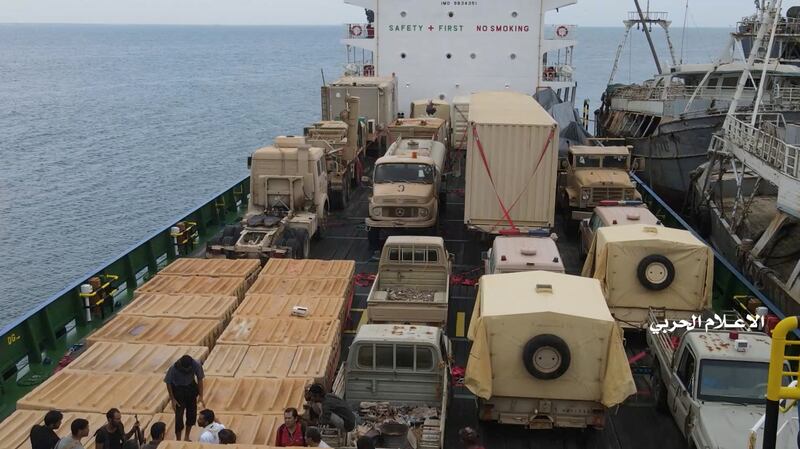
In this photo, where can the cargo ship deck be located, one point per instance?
(40, 339)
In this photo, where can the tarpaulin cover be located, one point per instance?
(617, 251)
(513, 308)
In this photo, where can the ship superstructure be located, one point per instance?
(447, 49)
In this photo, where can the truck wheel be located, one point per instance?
(229, 241)
(229, 231)
(659, 389)
(655, 272)
(546, 357)
(340, 198)
(295, 247)
(303, 244)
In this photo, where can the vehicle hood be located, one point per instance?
(602, 178)
(728, 425)
(394, 192)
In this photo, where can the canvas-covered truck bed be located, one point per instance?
(413, 282)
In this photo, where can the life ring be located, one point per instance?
(550, 73)
(356, 30)
(546, 357)
(655, 272)
(562, 31)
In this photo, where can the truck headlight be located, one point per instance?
(423, 212)
(585, 195)
(376, 211)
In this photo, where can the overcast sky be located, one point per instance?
(718, 13)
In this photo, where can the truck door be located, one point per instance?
(681, 387)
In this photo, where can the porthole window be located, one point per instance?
(513, 56)
(448, 56)
(473, 55)
(514, 14)
(402, 13)
(403, 55)
(450, 14)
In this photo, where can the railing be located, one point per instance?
(786, 27)
(51, 327)
(649, 16)
(359, 31)
(768, 148)
(562, 73)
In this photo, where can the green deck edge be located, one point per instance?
(40, 335)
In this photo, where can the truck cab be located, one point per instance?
(714, 384)
(591, 174)
(406, 187)
(413, 282)
(613, 213)
(407, 367)
(287, 207)
(511, 254)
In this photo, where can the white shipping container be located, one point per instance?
(513, 130)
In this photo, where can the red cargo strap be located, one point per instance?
(465, 279)
(364, 279)
(635, 358)
(491, 179)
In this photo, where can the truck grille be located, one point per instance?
(400, 212)
(610, 193)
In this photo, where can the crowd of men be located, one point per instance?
(184, 383)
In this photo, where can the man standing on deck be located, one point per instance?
(79, 429)
(184, 382)
(44, 436)
(112, 435)
(332, 410)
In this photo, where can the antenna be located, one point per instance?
(683, 30)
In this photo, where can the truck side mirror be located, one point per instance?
(638, 164)
(484, 255)
(249, 162)
(366, 180)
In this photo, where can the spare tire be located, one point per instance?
(655, 272)
(546, 357)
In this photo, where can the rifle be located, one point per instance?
(139, 431)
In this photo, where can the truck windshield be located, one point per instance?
(615, 162)
(733, 381)
(420, 173)
(587, 161)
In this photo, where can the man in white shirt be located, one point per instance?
(314, 438)
(211, 428)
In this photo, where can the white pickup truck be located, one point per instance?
(413, 282)
(713, 383)
(397, 379)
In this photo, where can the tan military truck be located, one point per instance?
(591, 174)
(397, 380)
(613, 213)
(378, 103)
(427, 128)
(288, 204)
(407, 188)
(642, 266)
(546, 352)
(512, 254)
(413, 282)
(343, 142)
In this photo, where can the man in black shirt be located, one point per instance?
(184, 382)
(112, 435)
(332, 409)
(44, 436)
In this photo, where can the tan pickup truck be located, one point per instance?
(413, 282)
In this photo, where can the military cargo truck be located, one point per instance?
(288, 204)
(613, 213)
(591, 174)
(413, 282)
(546, 352)
(393, 370)
(714, 383)
(426, 128)
(512, 254)
(407, 188)
(642, 266)
(343, 142)
(378, 103)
